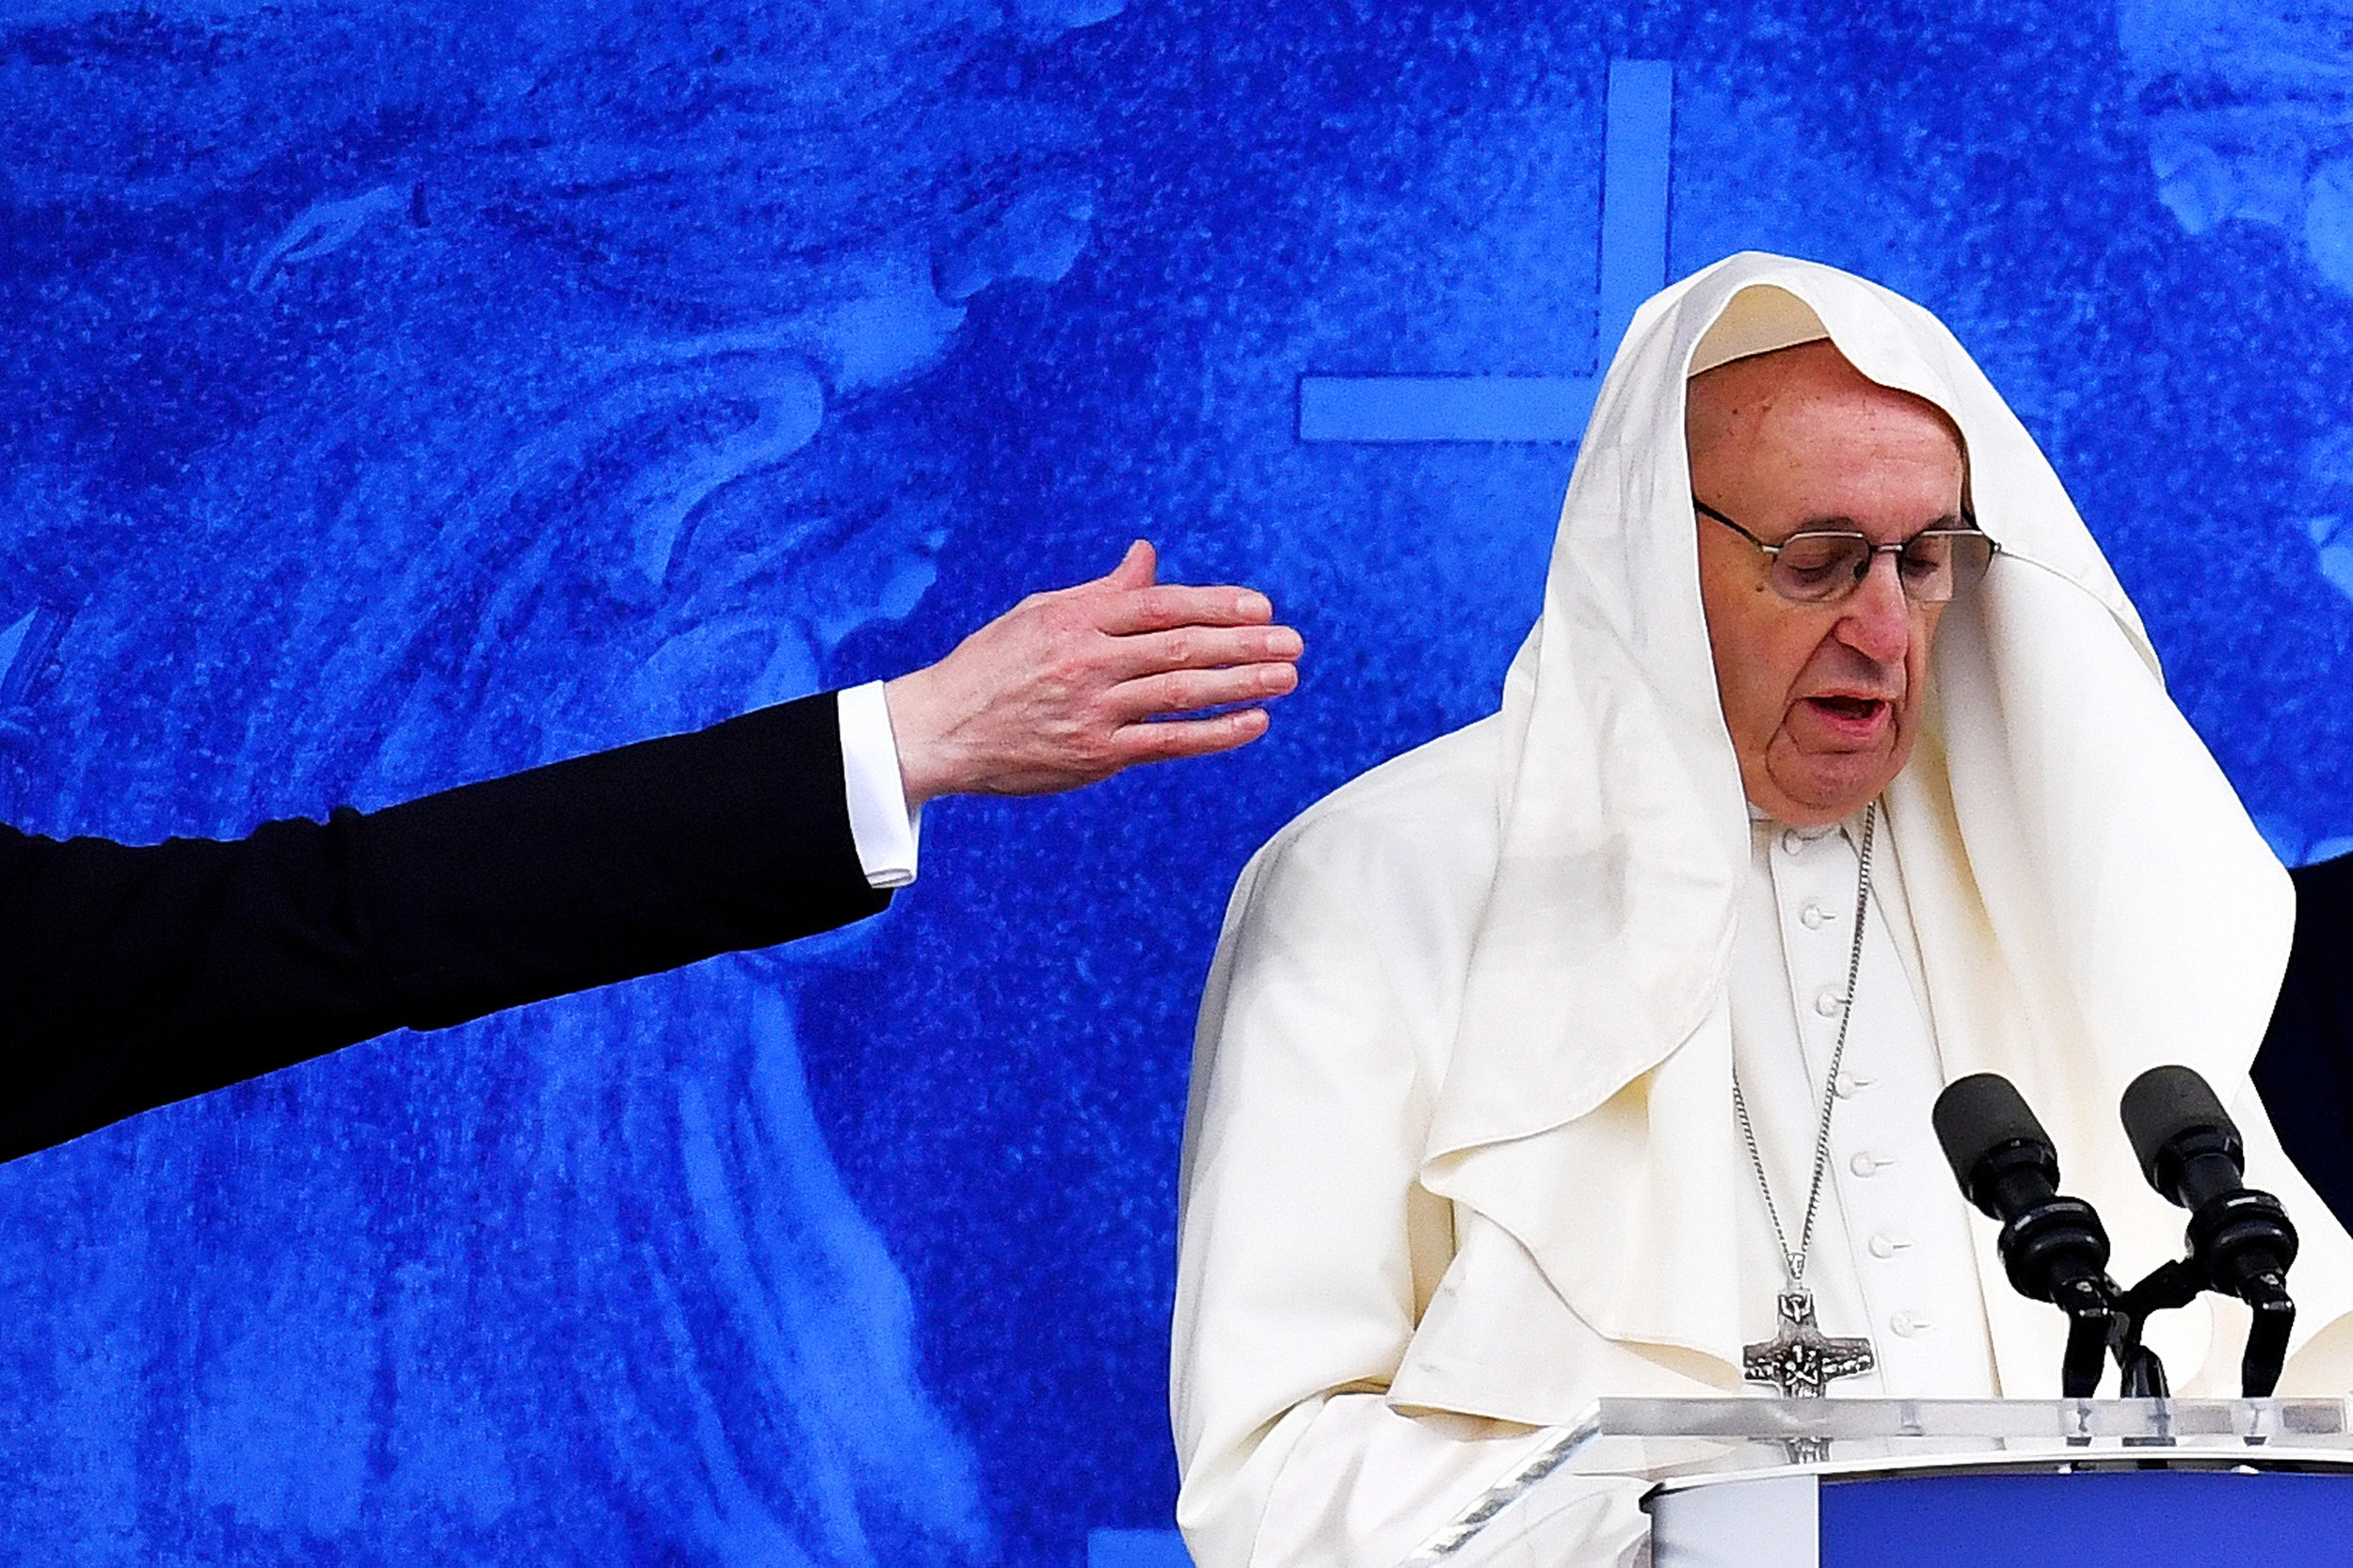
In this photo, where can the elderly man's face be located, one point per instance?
(1823, 700)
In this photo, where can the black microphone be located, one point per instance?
(2241, 1241)
(2006, 1166)
(2052, 1246)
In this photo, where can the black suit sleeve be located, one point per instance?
(130, 977)
(2305, 1069)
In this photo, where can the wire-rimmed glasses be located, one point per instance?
(1822, 565)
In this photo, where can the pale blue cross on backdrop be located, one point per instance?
(1635, 162)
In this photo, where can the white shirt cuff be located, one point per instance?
(885, 831)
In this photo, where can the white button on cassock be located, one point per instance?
(1884, 1245)
(1814, 916)
(1869, 1164)
(1829, 1001)
(1908, 1323)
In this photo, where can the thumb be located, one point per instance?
(1136, 569)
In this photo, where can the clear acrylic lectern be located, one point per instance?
(1923, 1483)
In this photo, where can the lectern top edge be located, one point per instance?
(1664, 1440)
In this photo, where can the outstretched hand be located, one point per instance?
(1066, 687)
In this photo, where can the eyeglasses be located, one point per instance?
(1822, 565)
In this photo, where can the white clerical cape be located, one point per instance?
(1460, 1156)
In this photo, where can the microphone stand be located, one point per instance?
(2102, 1319)
(2093, 1324)
(2267, 1336)
(2141, 1373)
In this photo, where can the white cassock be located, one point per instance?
(1461, 1157)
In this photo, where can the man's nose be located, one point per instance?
(1877, 619)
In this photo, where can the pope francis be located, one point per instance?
(1546, 1062)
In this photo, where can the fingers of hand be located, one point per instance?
(1165, 742)
(1178, 691)
(1170, 605)
(1200, 648)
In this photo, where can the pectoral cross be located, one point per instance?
(1799, 1360)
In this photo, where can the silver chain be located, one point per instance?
(1795, 1261)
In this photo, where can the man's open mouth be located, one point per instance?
(1851, 706)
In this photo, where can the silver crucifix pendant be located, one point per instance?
(1800, 1361)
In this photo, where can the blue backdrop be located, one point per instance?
(397, 392)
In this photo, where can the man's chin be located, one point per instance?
(1816, 791)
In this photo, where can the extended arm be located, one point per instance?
(134, 976)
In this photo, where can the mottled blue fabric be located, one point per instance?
(397, 392)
